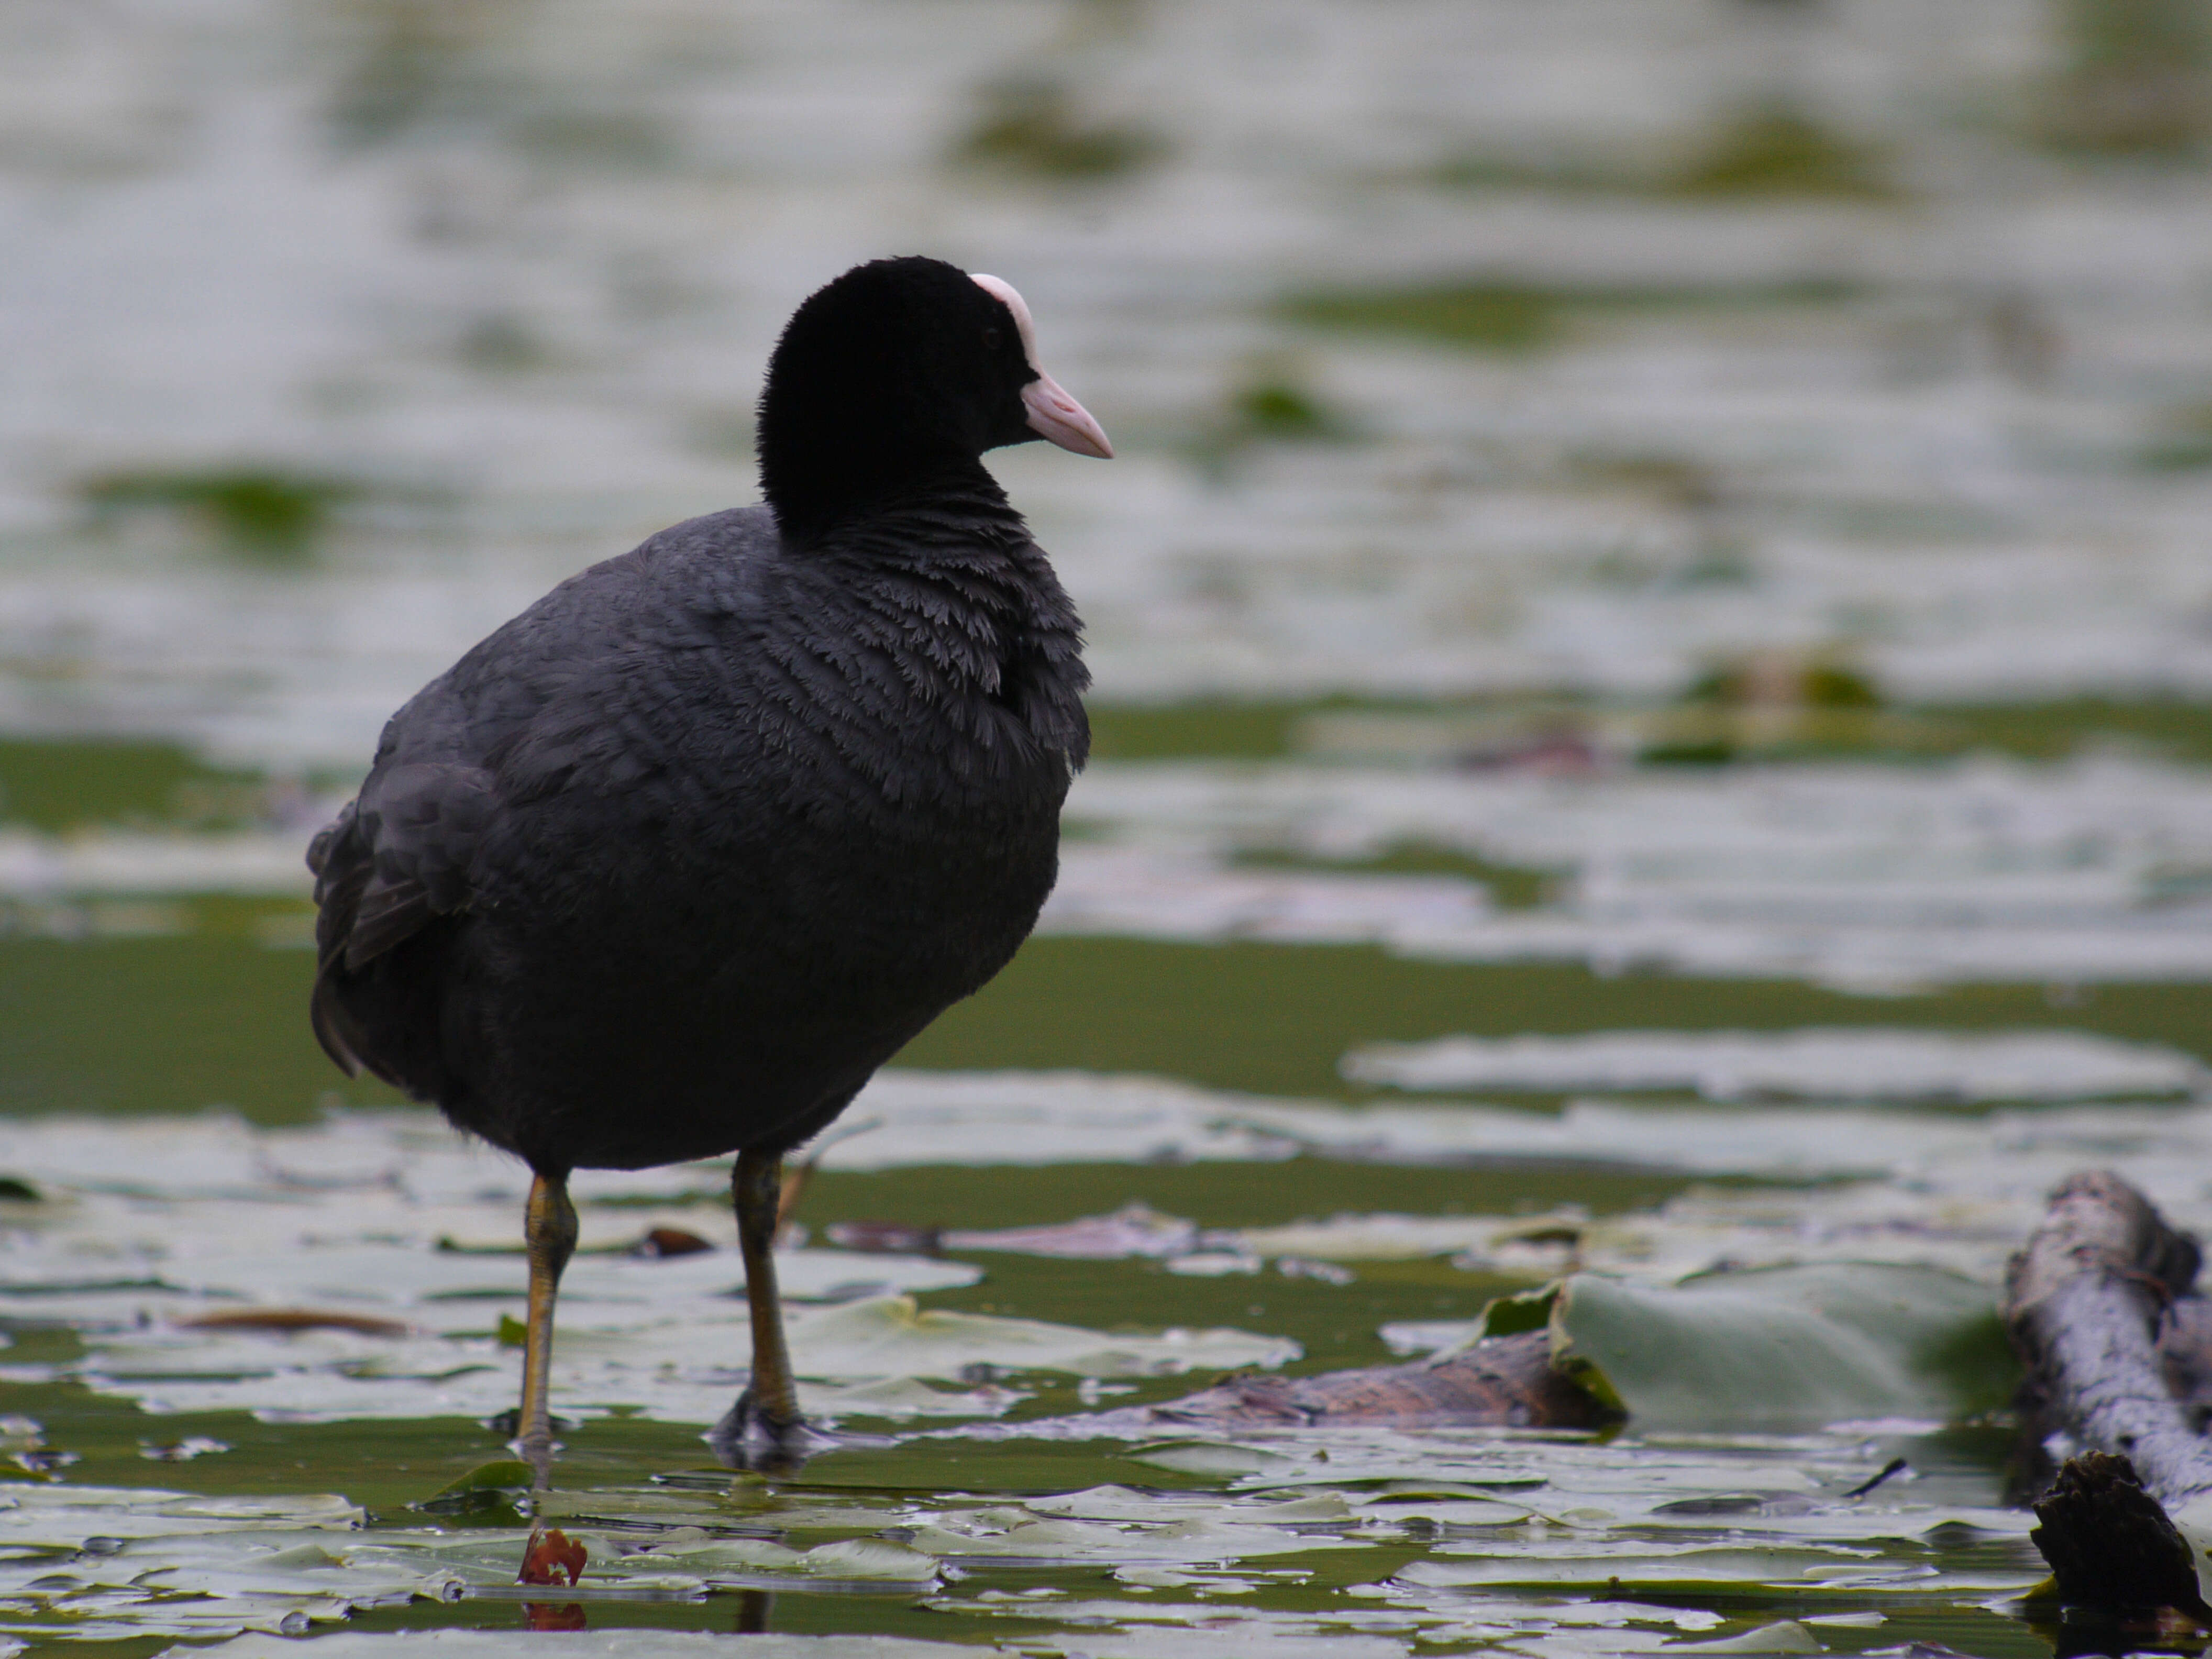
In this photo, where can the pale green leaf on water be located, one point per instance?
(892, 1336)
(1626, 1562)
(756, 1561)
(1773, 1347)
(1533, 1242)
(1458, 1513)
(1477, 1489)
(661, 1356)
(1784, 1636)
(1173, 1628)
(721, 1556)
(1166, 1625)
(985, 1535)
(1207, 1457)
(1802, 1567)
(1119, 1503)
(1606, 1514)
(868, 1560)
(62, 1516)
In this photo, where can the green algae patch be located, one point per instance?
(265, 515)
(1278, 407)
(1482, 316)
(2136, 82)
(1843, 712)
(1035, 127)
(1503, 315)
(1770, 150)
(62, 784)
(1781, 151)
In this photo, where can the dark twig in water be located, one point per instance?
(1895, 1466)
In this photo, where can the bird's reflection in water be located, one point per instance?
(753, 1608)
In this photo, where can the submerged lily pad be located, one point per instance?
(490, 1495)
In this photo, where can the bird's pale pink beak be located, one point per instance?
(1059, 418)
(1052, 414)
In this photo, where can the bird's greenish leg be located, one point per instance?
(550, 1237)
(758, 1186)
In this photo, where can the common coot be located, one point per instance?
(669, 865)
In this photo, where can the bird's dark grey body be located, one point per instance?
(669, 865)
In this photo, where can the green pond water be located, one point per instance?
(1654, 735)
(165, 1004)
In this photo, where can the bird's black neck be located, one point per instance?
(829, 456)
(812, 502)
(965, 533)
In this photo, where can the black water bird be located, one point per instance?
(669, 865)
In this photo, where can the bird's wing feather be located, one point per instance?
(405, 857)
(397, 857)
(531, 708)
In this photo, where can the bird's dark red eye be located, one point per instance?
(991, 339)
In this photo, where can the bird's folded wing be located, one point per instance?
(396, 857)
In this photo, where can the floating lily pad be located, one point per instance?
(1776, 1347)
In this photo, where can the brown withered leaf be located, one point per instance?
(551, 1554)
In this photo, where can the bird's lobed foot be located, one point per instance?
(749, 1437)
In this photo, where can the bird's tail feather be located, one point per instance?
(335, 1028)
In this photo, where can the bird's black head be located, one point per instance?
(899, 370)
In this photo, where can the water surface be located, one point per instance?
(1673, 530)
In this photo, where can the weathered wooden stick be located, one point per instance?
(2084, 1303)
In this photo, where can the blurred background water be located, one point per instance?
(1454, 349)
(1590, 409)
(1664, 517)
